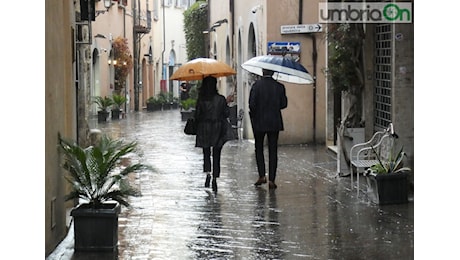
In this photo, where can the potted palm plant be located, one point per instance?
(164, 100)
(103, 104)
(99, 181)
(388, 180)
(118, 101)
(153, 104)
(187, 108)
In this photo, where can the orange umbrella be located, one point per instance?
(200, 68)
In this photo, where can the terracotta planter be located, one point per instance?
(96, 229)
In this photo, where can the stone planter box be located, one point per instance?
(186, 114)
(153, 107)
(102, 116)
(391, 188)
(96, 229)
(116, 113)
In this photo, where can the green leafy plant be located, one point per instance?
(163, 97)
(96, 173)
(103, 103)
(194, 90)
(171, 98)
(188, 103)
(154, 100)
(118, 100)
(393, 164)
(175, 100)
(195, 22)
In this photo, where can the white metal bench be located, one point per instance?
(364, 155)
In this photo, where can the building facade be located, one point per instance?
(80, 65)
(253, 28)
(60, 113)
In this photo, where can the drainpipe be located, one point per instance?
(232, 10)
(124, 36)
(136, 59)
(163, 76)
(315, 60)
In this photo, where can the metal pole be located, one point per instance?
(163, 76)
(136, 75)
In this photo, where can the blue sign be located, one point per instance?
(282, 48)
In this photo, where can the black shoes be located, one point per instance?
(208, 180)
(261, 181)
(214, 185)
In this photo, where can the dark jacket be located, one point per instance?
(209, 115)
(266, 99)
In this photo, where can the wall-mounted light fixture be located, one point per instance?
(100, 36)
(219, 23)
(150, 57)
(211, 30)
(256, 8)
(112, 60)
(215, 25)
(107, 5)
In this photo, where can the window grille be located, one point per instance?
(383, 75)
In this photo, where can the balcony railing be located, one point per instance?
(143, 23)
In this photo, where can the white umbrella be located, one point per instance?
(285, 69)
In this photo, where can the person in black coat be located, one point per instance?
(211, 111)
(184, 90)
(266, 99)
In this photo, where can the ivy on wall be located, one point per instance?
(195, 22)
(346, 66)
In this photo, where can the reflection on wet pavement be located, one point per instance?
(312, 215)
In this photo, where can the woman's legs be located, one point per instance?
(207, 165)
(216, 152)
(206, 159)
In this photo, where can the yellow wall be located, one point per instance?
(60, 107)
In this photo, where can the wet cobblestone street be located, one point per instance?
(313, 214)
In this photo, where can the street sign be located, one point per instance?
(301, 28)
(279, 48)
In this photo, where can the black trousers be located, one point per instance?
(272, 138)
(216, 151)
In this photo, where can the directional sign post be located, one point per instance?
(301, 28)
